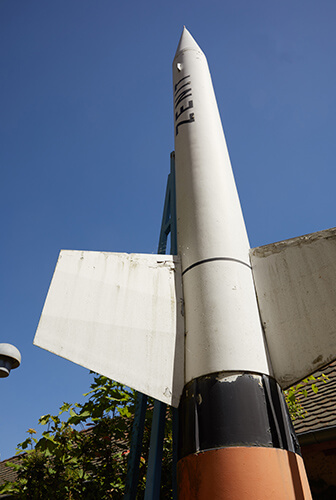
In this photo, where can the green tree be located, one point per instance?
(295, 395)
(83, 452)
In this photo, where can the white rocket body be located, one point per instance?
(222, 324)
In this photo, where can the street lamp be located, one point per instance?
(10, 358)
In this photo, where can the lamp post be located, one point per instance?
(10, 358)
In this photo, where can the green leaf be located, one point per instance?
(65, 407)
(25, 444)
(44, 419)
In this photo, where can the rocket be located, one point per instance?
(230, 441)
(215, 330)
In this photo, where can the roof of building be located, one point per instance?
(320, 408)
(8, 473)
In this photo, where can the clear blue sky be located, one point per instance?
(87, 128)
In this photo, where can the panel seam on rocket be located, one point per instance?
(213, 259)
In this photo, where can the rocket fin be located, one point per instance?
(295, 282)
(119, 315)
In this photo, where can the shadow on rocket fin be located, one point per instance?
(295, 282)
(119, 315)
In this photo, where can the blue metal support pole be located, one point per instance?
(153, 480)
(172, 207)
(173, 250)
(175, 448)
(133, 463)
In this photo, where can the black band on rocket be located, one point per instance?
(222, 410)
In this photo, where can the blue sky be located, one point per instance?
(87, 128)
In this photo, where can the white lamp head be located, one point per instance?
(10, 358)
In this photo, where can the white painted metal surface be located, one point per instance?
(296, 287)
(223, 330)
(119, 315)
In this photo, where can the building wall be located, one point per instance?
(320, 462)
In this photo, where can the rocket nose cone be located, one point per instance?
(186, 42)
